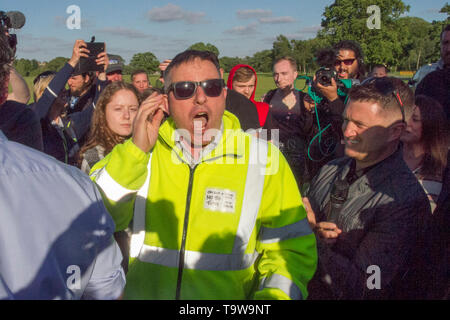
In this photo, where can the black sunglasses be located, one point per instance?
(186, 89)
(347, 62)
(386, 87)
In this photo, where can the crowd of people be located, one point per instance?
(197, 190)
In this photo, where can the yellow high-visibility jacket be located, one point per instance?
(231, 227)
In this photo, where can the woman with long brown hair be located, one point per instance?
(112, 122)
(425, 145)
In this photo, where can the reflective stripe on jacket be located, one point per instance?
(232, 227)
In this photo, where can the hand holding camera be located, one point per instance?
(327, 86)
(79, 50)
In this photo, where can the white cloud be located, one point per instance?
(274, 20)
(172, 12)
(124, 32)
(61, 21)
(304, 33)
(243, 30)
(253, 13)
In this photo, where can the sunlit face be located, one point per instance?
(114, 76)
(200, 111)
(121, 111)
(245, 88)
(140, 82)
(413, 132)
(284, 75)
(346, 71)
(78, 84)
(365, 131)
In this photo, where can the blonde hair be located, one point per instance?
(40, 85)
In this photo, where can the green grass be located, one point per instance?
(265, 83)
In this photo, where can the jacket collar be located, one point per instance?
(380, 171)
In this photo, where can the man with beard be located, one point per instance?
(324, 144)
(82, 90)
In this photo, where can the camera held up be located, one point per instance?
(326, 72)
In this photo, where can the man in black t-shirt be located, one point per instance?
(290, 116)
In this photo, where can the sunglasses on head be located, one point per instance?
(386, 87)
(186, 89)
(347, 62)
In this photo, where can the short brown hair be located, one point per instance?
(136, 72)
(189, 56)
(369, 92)
(291, 61)
(243, 74)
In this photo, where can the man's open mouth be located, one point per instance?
(201, 120)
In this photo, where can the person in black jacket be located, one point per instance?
(370, 214)
(63, 131)
(17, 121)
(437, 83)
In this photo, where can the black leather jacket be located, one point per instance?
(384, 223)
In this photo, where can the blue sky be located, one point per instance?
(236, 28)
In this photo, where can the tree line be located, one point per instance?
(401, 43)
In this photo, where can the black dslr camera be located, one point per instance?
(326, 59)
(324, 76)
(11, 20)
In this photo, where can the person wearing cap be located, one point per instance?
(82, 84)
(114, 70)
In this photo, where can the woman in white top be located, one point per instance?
(425, 145)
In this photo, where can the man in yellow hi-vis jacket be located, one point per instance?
(216, 212)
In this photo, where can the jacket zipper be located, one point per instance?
(183, 239)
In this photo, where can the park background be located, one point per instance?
(402, 42)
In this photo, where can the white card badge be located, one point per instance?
(222, 200)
